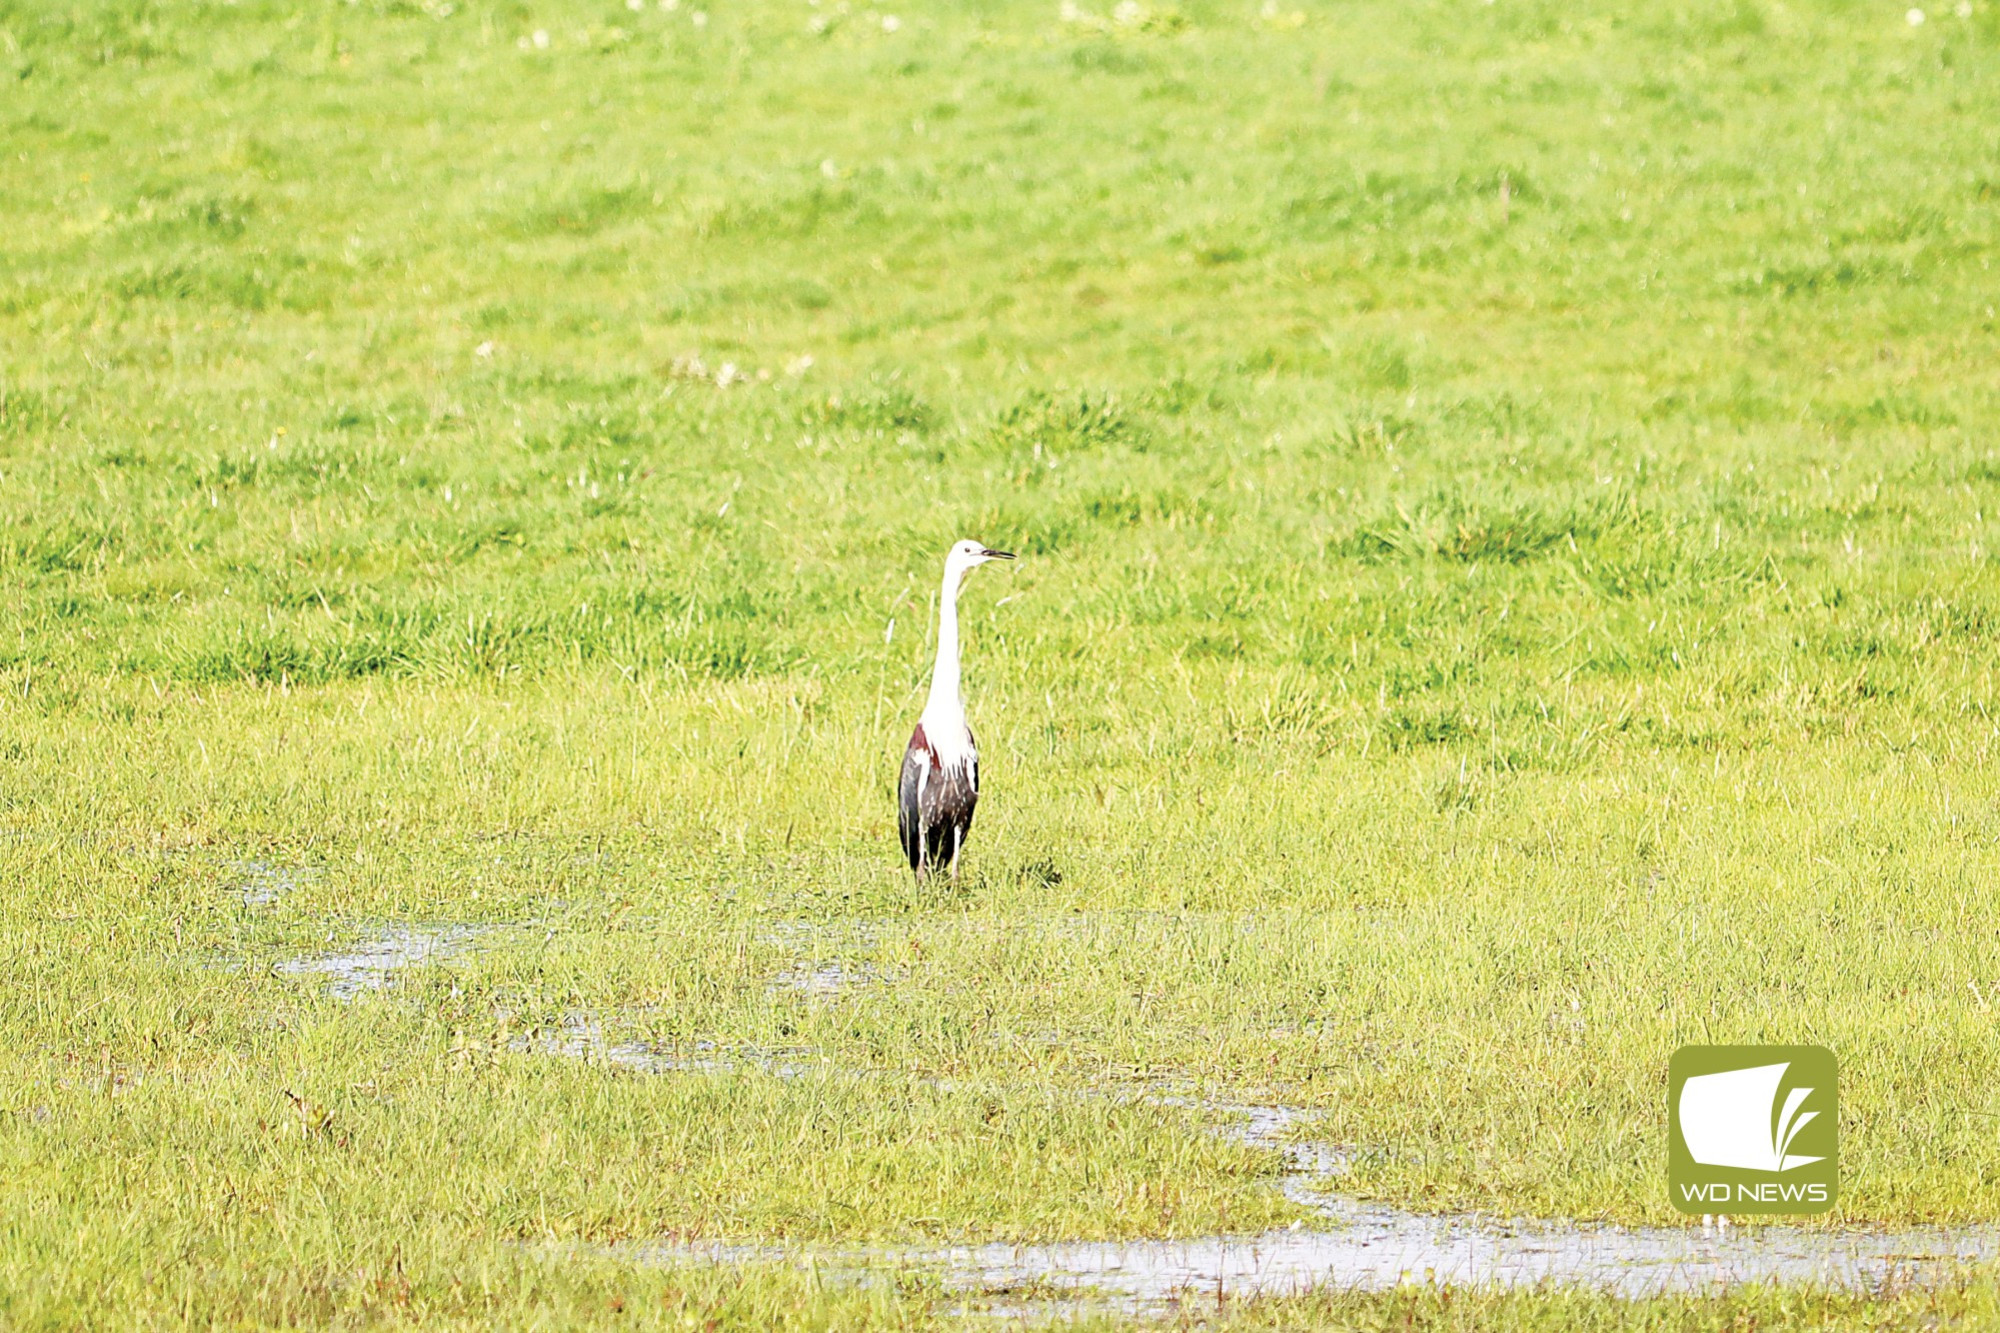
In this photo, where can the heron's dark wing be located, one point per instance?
(947, 804)
(919, 770)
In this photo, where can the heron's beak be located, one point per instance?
(998, 555)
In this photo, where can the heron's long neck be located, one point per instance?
(945, 700)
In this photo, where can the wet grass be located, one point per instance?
(1506, 591)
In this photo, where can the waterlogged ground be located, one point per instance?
(1340, 1244)
(1506, 590)
(917, 1105)
(1334, 1241)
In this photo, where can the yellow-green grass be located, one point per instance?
(1505, 592)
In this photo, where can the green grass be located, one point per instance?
(1506, 590)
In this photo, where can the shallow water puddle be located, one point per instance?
(834, 958)
(580, 1037)
(1376, 1247)
(1263, 1126)
(1357, 1245)
(827, 979)
(264, 884)
(366, 964)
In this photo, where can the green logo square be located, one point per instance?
(1753, 1129)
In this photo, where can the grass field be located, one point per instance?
(1505, 590)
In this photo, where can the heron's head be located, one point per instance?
(970, 555)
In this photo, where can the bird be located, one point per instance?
(940, 781)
